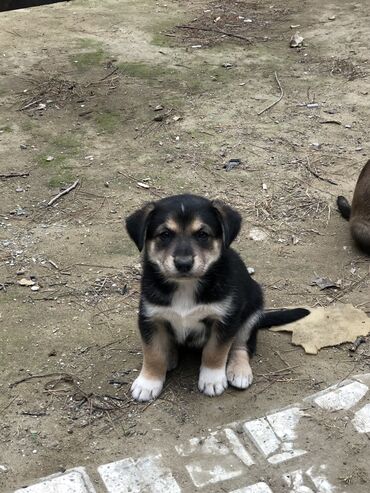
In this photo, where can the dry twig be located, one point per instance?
(64, 192)
(316, 175)
(217, 31)
(5, 176)
(8, 405)
(32, 103)
(43, 375)
(278, 100)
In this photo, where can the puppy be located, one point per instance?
(359, 214)
(196, 291)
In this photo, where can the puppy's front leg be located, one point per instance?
(212, 377)
(156, 346)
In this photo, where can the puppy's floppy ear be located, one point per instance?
(137, 223)
(230, 221)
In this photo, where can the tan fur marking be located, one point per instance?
(238, 359)
(156, 355)
(172, 225)
(150, 247)
(207, 257)
(238, 371)
(215, 353)
(195, 226)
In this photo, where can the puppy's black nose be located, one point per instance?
(183, 264)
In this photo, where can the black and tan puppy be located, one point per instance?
(359, 213)
(196, 291)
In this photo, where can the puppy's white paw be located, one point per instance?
(212, 382)
(239, 373)
(145, 389)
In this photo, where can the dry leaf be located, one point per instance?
(328, 326)
(324, 283)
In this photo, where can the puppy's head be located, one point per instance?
(183, 235)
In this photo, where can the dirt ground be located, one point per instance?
(80, 88)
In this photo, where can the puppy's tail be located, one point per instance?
(281, 317)
(344, 207)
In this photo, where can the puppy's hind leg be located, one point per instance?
(238, 371)
(173, 356)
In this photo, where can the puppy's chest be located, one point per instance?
(185, 315)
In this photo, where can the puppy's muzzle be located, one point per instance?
(184, 264)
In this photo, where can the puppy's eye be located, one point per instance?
(202, 235)
(165, 235)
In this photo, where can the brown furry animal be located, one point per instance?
(359, 213)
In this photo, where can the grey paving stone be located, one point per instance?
(138, 476)
(72, 481)
(254, 488)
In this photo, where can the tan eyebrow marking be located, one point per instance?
(197, 225)
(170, 224)
(173, 225)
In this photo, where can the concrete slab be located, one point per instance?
(72, 481)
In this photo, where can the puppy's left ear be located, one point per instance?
(137, 224)
(230, 221)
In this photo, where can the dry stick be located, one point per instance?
(265, 388)
(350, 288)
(53, 264)
(64, 192)
(103, 78)
(95, 265)
(278, 100)
(14, 33)
(109, 75)
(316, 175)
(32, 103)
(152, 190)
(218, 31)
(273, 372)
(14, 175)
(43, 375)
(8, 405)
